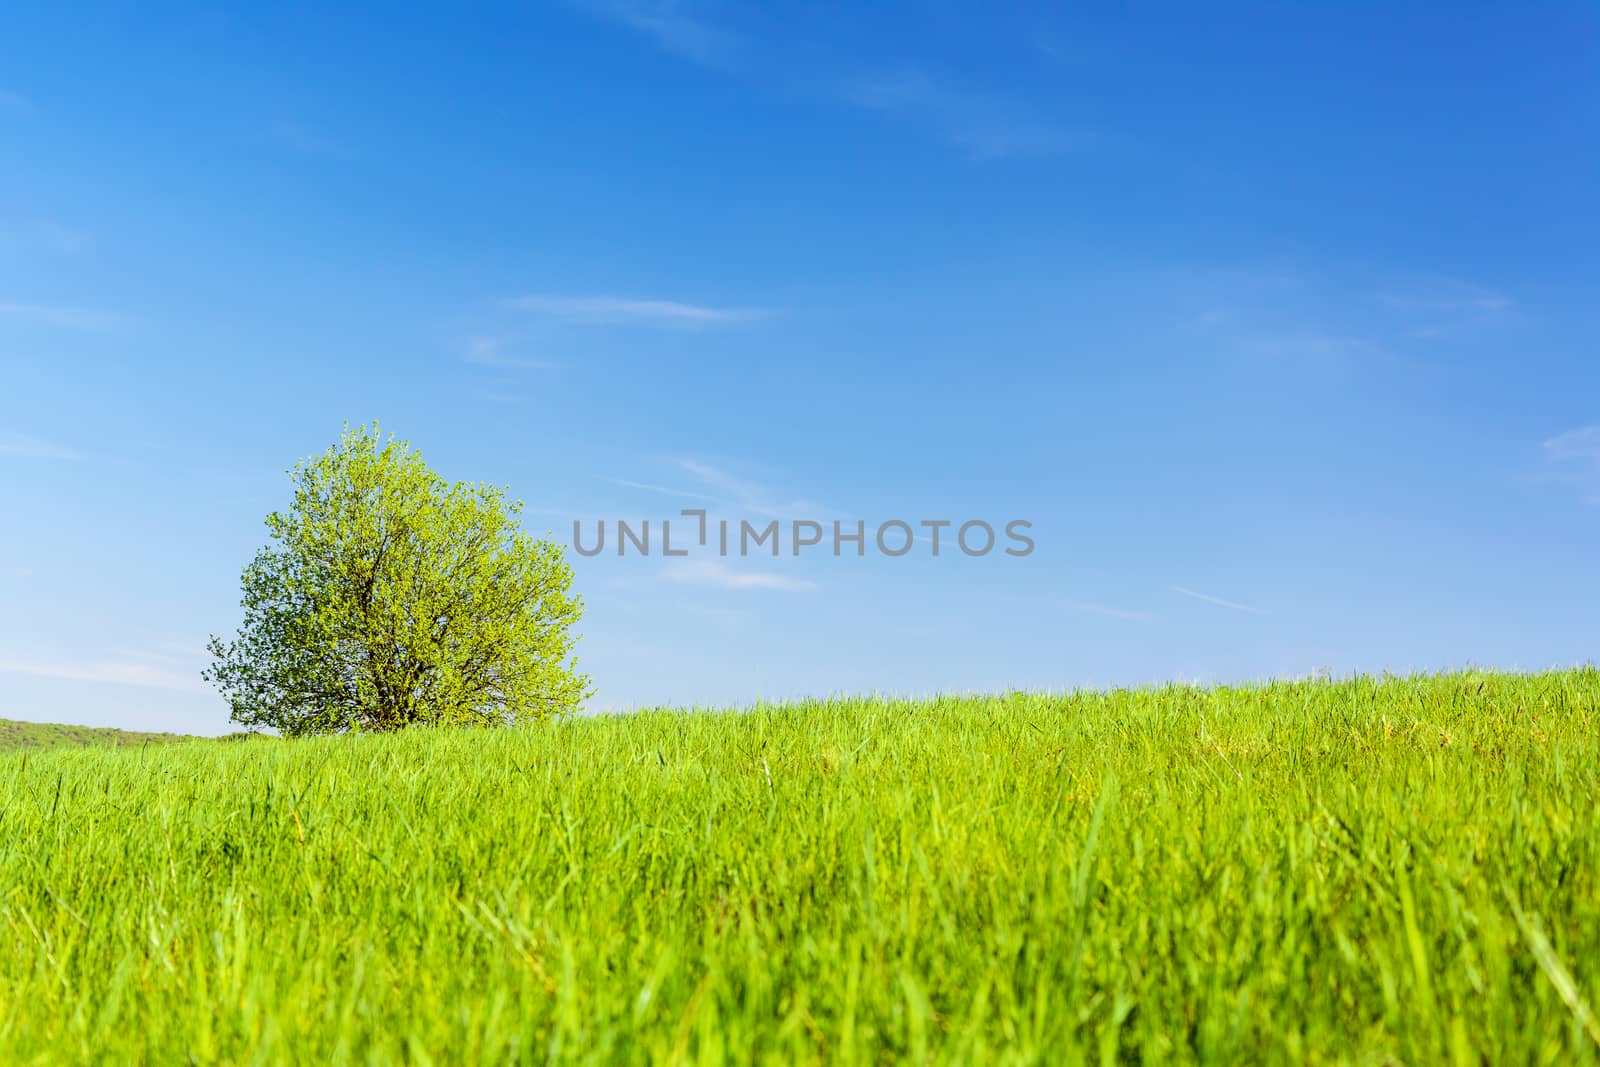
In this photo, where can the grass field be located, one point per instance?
(1368, 871)
(15, 735)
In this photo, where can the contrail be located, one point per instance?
(1218, 600)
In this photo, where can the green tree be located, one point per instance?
(389, 597)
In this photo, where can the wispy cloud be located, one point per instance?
(1109, 612)
(63, 315)
(26, 446)
(669, 26)
(185, 656)
(43, 234)
(602, 309)
(986, 126)
(1221, 603)
(300, 138)
(1445, 296)
(680, 494)
(15, 102)
(1320, 317)
(747, 495)
(1577, 453)
(741, 491)
(1444, 307)
(716, 573)
(730, 496)
(110, 673)
(1311, 347)
(490, 352)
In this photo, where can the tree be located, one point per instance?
(389, 597)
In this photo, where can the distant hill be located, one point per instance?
(19, 735)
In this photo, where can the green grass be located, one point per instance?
(14, 735)
(1366, 871)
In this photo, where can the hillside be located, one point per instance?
(1398, 870)
(16, 735)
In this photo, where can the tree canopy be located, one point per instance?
(389, 597)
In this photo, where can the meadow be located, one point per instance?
(15, 735)
(1366, 871)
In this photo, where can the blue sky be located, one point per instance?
(1278, 322)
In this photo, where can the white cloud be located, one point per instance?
(300, 138)
(1109, 612)
(716, 573)
(1444, 307)
(1209, 599)
(490, 352)
(45, 235)
(665, 23)
(26, 446)
(749, 496)
(1446, 296)
(1314, 348)
(987, 127)
(1582, 444)
(110, 673)
(15, 102)
(682, 494)
(745, 493)
(1323, 317)
(67, 316)
(1578, 452)
(186, 656)
(618, 309)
